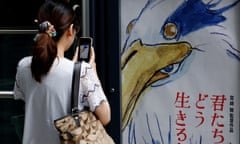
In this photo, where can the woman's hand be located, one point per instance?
(92, 58)
(75, 57)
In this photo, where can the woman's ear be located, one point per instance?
(71, 30)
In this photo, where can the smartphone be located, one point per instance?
(84, 44)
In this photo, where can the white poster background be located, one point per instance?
(210, 72)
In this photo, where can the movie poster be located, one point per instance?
(180, 64)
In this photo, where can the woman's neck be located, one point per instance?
(60, 53)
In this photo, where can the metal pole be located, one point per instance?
(85, 18)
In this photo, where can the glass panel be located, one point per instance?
(12, 48)
(16, 14)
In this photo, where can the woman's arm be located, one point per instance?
(102, 111)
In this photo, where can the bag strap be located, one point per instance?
(75, 87)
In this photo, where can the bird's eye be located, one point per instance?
(171, 69)
(170, 30)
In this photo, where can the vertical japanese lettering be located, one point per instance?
(218, 102)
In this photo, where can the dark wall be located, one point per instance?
(104, 19)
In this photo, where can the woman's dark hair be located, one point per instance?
(60, 15)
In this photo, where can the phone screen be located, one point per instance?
(84, 49)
